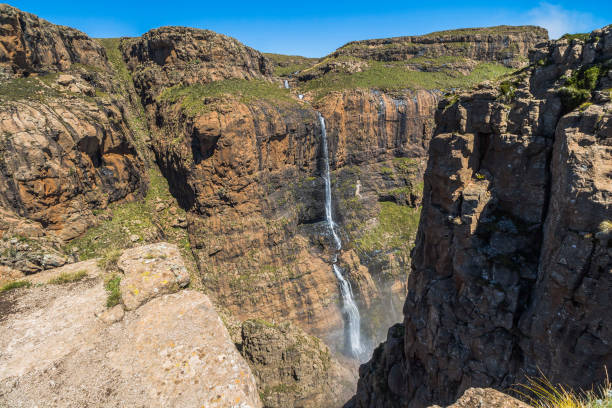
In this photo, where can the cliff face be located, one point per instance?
(29, 44)
(67, 146)
(511, 271)
(243, 156)
(505, 44)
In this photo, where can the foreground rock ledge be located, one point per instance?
(173, 351)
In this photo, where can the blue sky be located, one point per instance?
(315, 28)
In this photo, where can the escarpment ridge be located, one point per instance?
(512, 266)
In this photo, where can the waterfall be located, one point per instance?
(350, 308)
(286, 84)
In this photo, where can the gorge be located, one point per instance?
(448, 195)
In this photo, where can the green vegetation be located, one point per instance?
(115, 57)
(139, 218)
(68, 278)
(406, 165)
(387, 172)
(578, 36)
(108, 261)
(396, 229)
(112, 286)
(541, 393)
(15, 285)
(136, 119)
(285, 65)
(397, 76)
(507, 90)
(496, 30)
(579, 86)
(197, 98)
(30, 88)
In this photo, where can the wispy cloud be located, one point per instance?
(558, 20)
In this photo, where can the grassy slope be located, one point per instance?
(199, 98)
(397, 76)
(285, 65)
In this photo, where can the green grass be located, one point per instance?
(31, 88)
(495, 30)
(136, 118)
(111, 45)
(393, 76)
(108, 262)
(196, 99)
(396, 229)
(579, 86)
(15, 285)
(133, 218)
(112, 286)
(578, 36)
(68, 278)
(285, 65)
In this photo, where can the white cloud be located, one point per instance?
(559, 21)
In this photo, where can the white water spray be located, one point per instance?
(350, 308)
(286, 84)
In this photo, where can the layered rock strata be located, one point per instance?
(507, 45)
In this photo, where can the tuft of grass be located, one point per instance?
(68, 278)
(112, 287)
(108, 262)
(199, 98)
(606, 226)
(507, 90)
(15, 285)
(541, 393)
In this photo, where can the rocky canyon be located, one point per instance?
(164, 212)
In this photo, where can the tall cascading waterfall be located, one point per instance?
(350, 308)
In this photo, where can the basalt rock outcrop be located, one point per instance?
(512, 267)
(505, 44)
(66, 145)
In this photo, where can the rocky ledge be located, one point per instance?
(66, 344)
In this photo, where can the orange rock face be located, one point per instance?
(66, 145)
